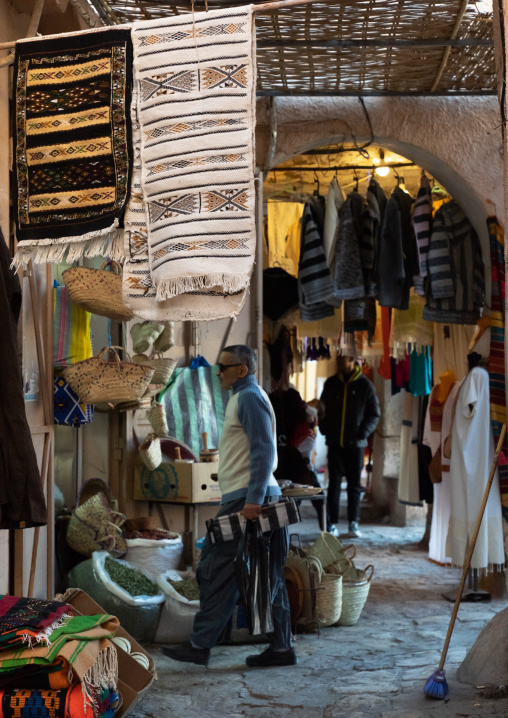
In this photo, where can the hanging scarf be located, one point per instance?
(497, 352)
(72, 143)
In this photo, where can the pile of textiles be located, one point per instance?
(62, 664)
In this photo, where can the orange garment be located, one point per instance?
(385, 368)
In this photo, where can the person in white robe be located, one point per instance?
(471, 460)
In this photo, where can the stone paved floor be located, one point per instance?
(375, 669)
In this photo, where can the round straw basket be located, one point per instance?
(328, 549)
(329, 600)
(354, 596)
(164, 368)
(150, 452)
(98, 380)
(156, 415)
(98, 291)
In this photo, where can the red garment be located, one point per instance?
(385, 369)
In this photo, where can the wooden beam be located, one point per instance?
(447, 51)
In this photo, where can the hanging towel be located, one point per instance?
(314, 281)
(497, 352)
(72, 144)
(282, 217)
(420, 371)
(139, 292)
(196, 91)
(71, 330)
(422, 220)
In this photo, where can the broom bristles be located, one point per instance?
(436, 686)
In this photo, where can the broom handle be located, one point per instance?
(472, 547)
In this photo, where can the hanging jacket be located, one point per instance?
(348, 279)
(422, 220)
(334, 201)
(376, 205)
(349, 410)
(314, 281)
(22, 503)
(398, 254)
(456, 279)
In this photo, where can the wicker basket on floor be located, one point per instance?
(354, 596)
(329, 600)
(329, 550)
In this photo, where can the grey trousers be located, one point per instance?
(219, 592)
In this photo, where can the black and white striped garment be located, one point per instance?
(314, 280)
(422, 222)
(273, 516)
(456, 281)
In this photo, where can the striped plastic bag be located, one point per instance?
(195, 403)
(71, 329)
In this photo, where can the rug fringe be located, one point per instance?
(106, 243)
(103, 674)
(230, 283)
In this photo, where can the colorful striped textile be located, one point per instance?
(195, 403)
(40, 703)
(497, 353)
(422, 220)
(24, 619)
(71, 329)
(72, 143)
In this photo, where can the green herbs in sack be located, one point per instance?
(135, 583)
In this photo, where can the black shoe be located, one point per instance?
(186, 653)
(272, 658)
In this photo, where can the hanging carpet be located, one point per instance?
(139, 292)
(72, 143)
(196, 85)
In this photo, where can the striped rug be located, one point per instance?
(497, 353)
(195, 79)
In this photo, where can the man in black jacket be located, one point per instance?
(349, 414)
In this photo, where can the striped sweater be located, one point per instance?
(314, 280)
(456, 286)
(422, 219)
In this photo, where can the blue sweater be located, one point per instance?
(247, 448)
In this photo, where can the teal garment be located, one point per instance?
(420, 371)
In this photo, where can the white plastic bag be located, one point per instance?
(99, 559)
(155, 557)
(177, 616)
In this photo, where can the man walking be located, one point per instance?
(247, 450)
(349, 414)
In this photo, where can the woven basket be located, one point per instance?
(354, 596)
(156, 415)
(94, 526)
(164, 368)
(329, 550)
(95, 486)
(329, 600)
(150, 452)
(98, 291)
(166, 339)
(98, 380)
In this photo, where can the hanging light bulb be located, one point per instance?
(382, 170)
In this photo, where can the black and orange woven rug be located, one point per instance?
(72, 143)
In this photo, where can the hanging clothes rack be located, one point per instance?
(333, 168)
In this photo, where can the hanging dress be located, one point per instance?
(471, 460)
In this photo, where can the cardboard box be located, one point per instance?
(133, 678)
(183, 483)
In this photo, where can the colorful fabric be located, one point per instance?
(68, 409)
(195, 403)
(71, 329)
(409, 327)
(20, 616)
(196, 109)
(40, 703)
(420, 371)
(72, 136)
(281, 218)
(497, 352)
(57, 676)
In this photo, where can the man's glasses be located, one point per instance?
(222, 367)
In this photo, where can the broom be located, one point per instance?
(436, 686)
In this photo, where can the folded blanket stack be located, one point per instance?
(62, 663)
